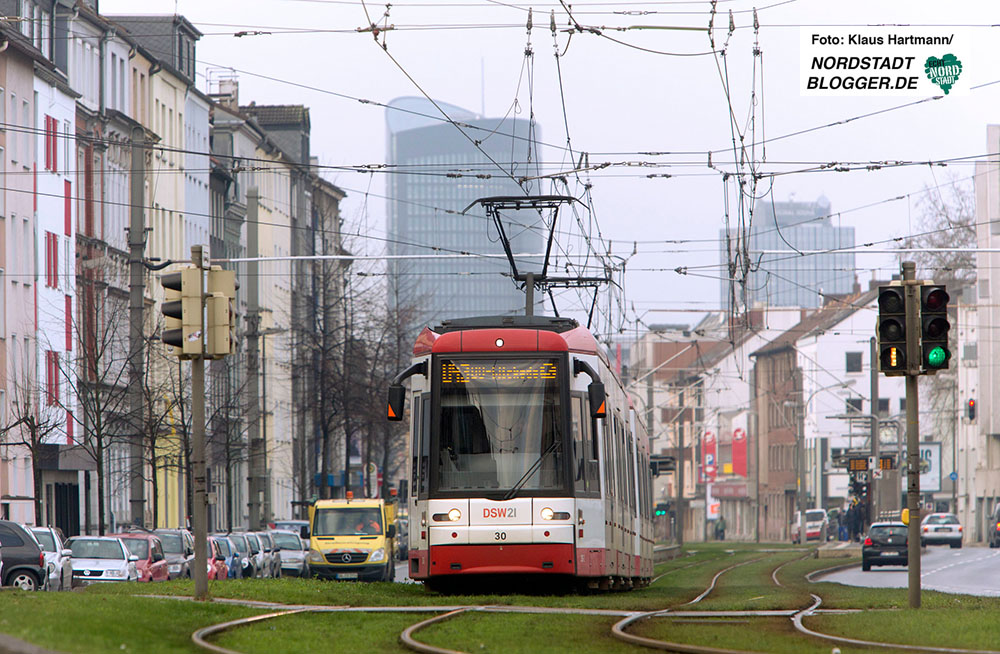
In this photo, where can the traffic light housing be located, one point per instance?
(972, 409)
(182, 329)
(660, 510)
(934, 327)
(892, 330)
(220, 310)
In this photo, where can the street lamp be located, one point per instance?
(801, 453)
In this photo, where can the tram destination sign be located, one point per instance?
(464, 372)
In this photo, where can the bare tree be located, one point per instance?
(947, 220)
(35, 415)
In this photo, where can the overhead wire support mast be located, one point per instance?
(495, 205)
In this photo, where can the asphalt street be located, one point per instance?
(970, 570)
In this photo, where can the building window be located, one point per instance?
(883, 406)
(69, 323)
(854, 405)
(853, 362)
(51, 260)
(51, 144)
(902, 405)
(52, 377)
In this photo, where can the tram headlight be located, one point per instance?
(454, 515)
(547, 513)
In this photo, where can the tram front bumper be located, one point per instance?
(551, 558)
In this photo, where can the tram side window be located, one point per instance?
(579, 445)
(416, 442)
(609, 431)
(425, 444)
(631, 476)
(620, 462)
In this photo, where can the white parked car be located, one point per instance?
(58, 557)
(101, 558)
(293, 553)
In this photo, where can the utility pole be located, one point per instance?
(136, 287)
(876, 484)
(912, 304)
(257, 470)
(200, 516)
(801, 464)
(679, 504)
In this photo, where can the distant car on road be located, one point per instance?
(886, 544)
(993, 527)
(58, 557)
(817, 526)
(941, 529)
(292, 525)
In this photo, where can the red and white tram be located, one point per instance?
(526, 456)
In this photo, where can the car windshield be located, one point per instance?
(89, 548)
(815, 516)
(347, 522)
(287, 541)
(500, 420)
(885, 532)
(224, 546)
(942, 520)
(253, 543)
(46, 540)
(137, 546)
(239, 542)
(172, 543)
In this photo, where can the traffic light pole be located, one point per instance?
(912, 290)
(876, 484)
(200, 517)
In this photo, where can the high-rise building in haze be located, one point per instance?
(791, 280)
(436, 173)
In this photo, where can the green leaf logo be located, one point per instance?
(944, 71)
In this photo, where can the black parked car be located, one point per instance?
(178, 547)
(886, 544)
(23, 559)
(993, 527)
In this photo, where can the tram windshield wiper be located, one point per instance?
(534, 466)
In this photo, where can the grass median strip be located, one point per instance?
(525, 634)
(90, 623)
(330, 633)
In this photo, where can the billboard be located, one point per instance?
(930, 468)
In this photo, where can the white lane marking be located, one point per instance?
(958, 563)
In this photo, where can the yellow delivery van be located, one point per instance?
(352, 539)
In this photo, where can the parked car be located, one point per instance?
(147, 547)
(817, 526)
(249, 561)
(234, 562)
(993, 527)
(292, 525)
(58, 557)
(178, 546)
(260, 563)
(886, 544)
(101, 559)
(941, 528)
(274, 551)
(217, 567)
(293, 553)
(23, 559)
(402, 538)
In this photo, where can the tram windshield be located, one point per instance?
(501, 425)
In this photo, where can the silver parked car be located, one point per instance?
(101, 559)
(293, 553)
(58, 557)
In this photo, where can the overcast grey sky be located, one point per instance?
(620, 101)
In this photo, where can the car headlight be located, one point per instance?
(176, 567)
(114, 573)
(377, 555)
(315, 556)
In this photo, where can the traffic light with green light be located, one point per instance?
(660, 510)
(934, 352)
(892, 330)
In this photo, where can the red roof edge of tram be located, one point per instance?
(578, 339)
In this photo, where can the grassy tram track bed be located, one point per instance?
(109, 618)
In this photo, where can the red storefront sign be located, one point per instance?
(740, 452)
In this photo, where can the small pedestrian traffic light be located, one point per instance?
(935, 354)
(661, 509)
(892, 330)
(972, 410)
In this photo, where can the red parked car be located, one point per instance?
(152, 564)
(217, 568)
